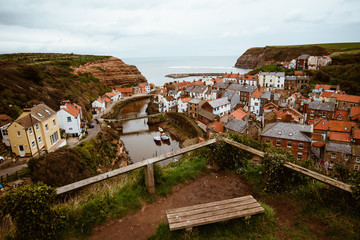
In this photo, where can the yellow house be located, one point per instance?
(36, 129)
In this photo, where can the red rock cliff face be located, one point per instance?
(112, 72)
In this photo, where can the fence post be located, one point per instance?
(149, 178)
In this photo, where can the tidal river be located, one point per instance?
(138, 137)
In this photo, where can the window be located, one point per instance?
(4, 132)
(33, 144)
(54, 122)
(356, 167)
(333, 155)
(37, 127)
(46, 127)
(69, 118)
(30, 131)
(47, 111)
(54, 138)
(18, 133)
(357, 160)
(323, 114)
(289, 144)
(301, 145)
(39, 139)
(346, 157)
(267, 140)
(278, 142)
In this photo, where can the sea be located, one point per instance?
(154, 69)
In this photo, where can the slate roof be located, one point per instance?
(266, 95)
(220, 85)
(249, 89)
(236, 125)
(199, 89)
(290, 131)
(195, 101)
(322, 106)
(207, 115)
(26, 121)
(277, 74)
(338, 147)
(235, 87)
(188, 89)
(219, 102)
(290, 78)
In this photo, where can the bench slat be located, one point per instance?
(219, 212)
(210, 204)
(200, 209)
(218, 218)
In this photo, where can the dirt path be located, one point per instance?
(142, 224)
(213, 186)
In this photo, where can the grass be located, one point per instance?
(260, 226)
(332, 46)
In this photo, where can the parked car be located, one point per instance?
(91, 124)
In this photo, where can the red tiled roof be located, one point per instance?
(71, 109)
(238, 114)
(233, 75)
(356, 134)
(184, 100)
(326, 94)
(107, 99)
(280, 114)
(323, 124)
(100, 100)
(257, 94)
(217, 127)
(182, 85)
(318, 144)
(251, 77)
(317, 137)
(355, 113)
(341, 126)
(326, 87)
(298, 73)
(349, 98)
(124, 90)
(344, 114)
(270, 105)
(337, 136)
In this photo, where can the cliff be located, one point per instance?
(258, 57)
(112, 72)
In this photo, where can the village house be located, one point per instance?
(207, 117)
(182, 104)
(214, 128)
(231, 78)
(36, 129)
(355, 114)
(319, 88)
(70, 119)
(237, 126)
(289, 114)
(251, 80)
(337, 153)
(239, 114)
(218, 107)
(233, 97)
(302, 61)
(144, 87)
(198, 91)
(272, 80)
(168, 104)
(320, 110)
(125, 92)
(113, 96)
(220, 87)
(5, 122)
(98, 105)
(290, 83)
(255, 103)
(346, 102)
(194, 106)
(302, 80)
(341, 115)
(210, 94)
(295, 137)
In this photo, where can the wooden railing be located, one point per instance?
(149, 170)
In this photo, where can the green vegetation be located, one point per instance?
(30, 207)
(31, 78)
(332, 46)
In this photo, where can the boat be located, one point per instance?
(165, 137)
(160, 129)
(157, 139)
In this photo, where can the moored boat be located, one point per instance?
(157, 139)
(165, 137)
(160, 129)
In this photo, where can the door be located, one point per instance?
(21, 151)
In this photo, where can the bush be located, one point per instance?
(30, 207)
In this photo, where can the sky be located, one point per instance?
(166, 28)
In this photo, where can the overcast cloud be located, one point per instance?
(151, 28)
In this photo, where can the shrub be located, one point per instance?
(30, 207)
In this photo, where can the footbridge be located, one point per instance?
(131, 117)
(149, 170)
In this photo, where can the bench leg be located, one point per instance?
(247, 217)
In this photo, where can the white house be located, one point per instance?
(220, 106)
(210, 94)
(255, 103)
(272, 79)
(69, 117)
(231, 78)
(182, 104)
(167, 103)
(199, 91)
(98, 105)
(113, 96)
(4, 134)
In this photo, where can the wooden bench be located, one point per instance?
(192, 216)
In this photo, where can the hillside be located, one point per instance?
(29, 78)
(261, 56)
